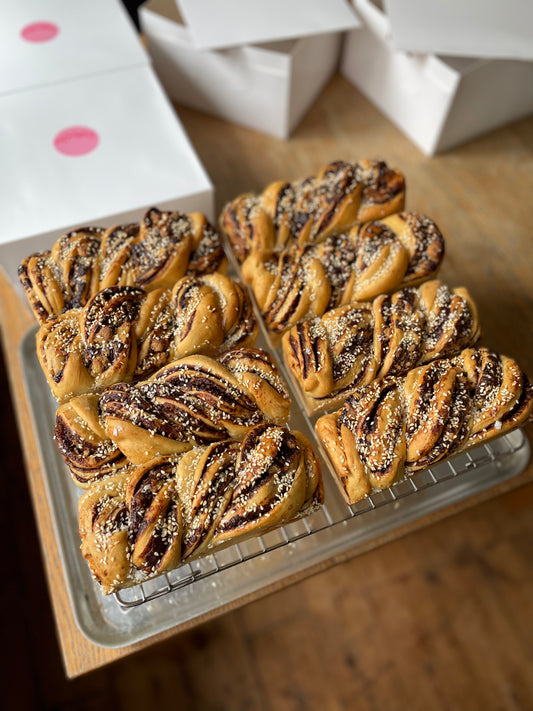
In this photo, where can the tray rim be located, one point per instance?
(81, 600)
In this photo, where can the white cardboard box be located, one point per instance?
(437, 102)
(95, 151)
(267, 87)
(59, 40)
(500, 29)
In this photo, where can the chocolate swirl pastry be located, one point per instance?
(310, 210)
(193, 401)
(83, 443)
(399, 425)
(352, 345)
(150, 519)
(103, 520)
(124, 333)
(374, 258)
(231, 491)
(153, 254)
(155, 523)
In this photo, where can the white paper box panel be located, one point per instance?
(500, 29)
(437, 102)
(58, 40)
(219, 24)
(267, 88)
(96, 151)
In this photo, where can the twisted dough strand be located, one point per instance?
(277, 477)
(399, 425)
(155, 525)
(153, 255)
(87, 450)
(310, 210)
(103, 524)
(354, 344)
(205, 479)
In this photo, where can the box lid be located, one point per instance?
(157, 19)
(42, 43)
(476, 28)
(76, 152)
(214, 24)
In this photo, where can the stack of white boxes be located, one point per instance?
(88, 136)
(443, 72)
(254, 63)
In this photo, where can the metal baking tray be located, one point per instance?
(219, 580)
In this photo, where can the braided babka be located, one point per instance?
(352, 345)
(402, 424)
(310, 210)
(148, 519)
(152, 254)
(374, 258)
(124, 333)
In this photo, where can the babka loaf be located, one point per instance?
(399, 425)
(152, 254)
(352, 345)
(192, 401)
(371, 259)
(307, 211)
(125, 333)
(146, 520)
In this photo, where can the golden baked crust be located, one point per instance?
(399, 425)
(352, 345)
(124, 333)
(153, 254)
(155, 516)
(103, 524)
(310, 210)
(192, 401)
(83, 443)
(373, 258)
(149, 519)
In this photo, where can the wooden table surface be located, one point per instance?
(480, 195)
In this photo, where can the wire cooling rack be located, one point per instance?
(224, 578)
(495, 453)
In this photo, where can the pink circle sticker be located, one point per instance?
(76, 141)
(39, 32)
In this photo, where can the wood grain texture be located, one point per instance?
(440, 618)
